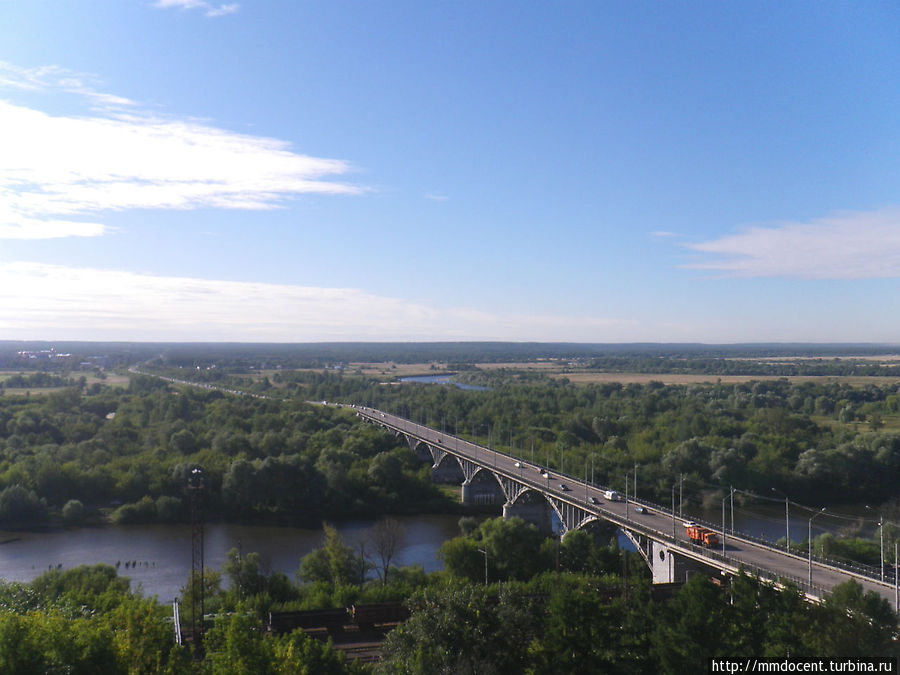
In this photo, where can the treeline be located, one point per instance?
(69, 453)
(815, 441)
(39, 380)
(742, 365)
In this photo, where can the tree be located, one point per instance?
(384, 537)
(73, 512)
(333, 563)
(20, 507)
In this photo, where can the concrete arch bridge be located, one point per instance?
(534, 494)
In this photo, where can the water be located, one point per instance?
(162, 553)
(442, 379)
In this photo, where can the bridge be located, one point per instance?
(533, 493)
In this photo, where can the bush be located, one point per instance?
(143, 511)
(73, 512)
(20, 507)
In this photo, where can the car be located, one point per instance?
(545, 475)
(593, 500)
(689, 523)
(563, 487)
(640, 509)
(518, 465)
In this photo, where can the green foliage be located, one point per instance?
(73, 512)
(20, 507)
(334, 563)
(238, 646)
(93, 586)
(513, 550)
(143, 511)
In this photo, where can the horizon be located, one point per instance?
(399, 172)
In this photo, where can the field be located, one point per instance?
(112, 380)
(590, 377)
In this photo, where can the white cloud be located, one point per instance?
(45, 78)
(209, 9)
(56, 171)
(55, 302)
(861, 245)
(436, 197)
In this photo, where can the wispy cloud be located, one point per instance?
(57, 171)
(436, 197)
(208, 8)
(661, 234)
(45, 78)
(55, 302)
(860, 245)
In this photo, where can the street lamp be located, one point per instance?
(626, 495)
(809, 542)
(880, 536)
(481, 550)
(673, 511)
(730, 495)
(787, 521)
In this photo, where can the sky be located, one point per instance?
(293, 171)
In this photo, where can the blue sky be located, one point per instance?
(569, 171)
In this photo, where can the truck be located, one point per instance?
(613, 496)
(702, 535)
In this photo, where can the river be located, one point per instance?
(157, 558)
(442, 379)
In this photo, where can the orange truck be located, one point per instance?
(702, 536)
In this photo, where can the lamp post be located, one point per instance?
(730, 495)
(482, 550)
(626, 495)
(673, 510)
(809, 542)
(787, 522)
(634, 496)
(585, 480)
(881, 537)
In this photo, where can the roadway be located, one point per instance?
(655, 522)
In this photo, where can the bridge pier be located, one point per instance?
(536, 513)
(669, 567)
(480, 492)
